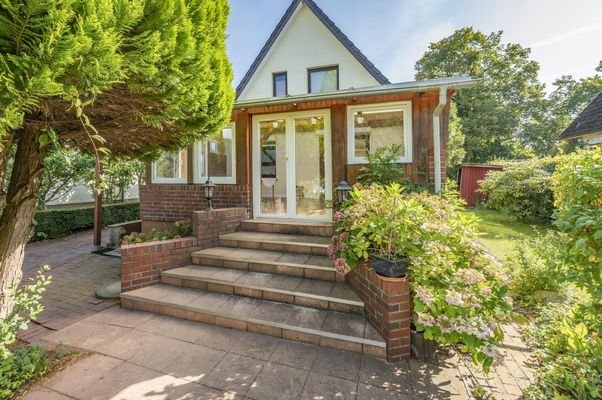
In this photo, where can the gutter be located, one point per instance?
(437, 137)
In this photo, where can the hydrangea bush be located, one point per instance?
(459, 291)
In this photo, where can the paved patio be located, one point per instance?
(139, 355)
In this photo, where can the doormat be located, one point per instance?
(107, 251)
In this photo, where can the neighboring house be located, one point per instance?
(309, 109)
(587, 127)
(82, 195)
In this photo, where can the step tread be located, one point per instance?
(293, 222)
(332, 291)
(330, 324)
(267, 257)
(304, 240)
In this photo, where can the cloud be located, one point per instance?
(567, 35)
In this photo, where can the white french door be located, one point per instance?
(292, 171)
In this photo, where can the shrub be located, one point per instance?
(382, 168)
(523, 190)
(536, 264)
(60, 222)
(459, 294)
(24, 364)
(179, 230)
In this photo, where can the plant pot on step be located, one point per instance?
(390, 268)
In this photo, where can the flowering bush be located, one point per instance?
(459, 290)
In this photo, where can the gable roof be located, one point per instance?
(589, 121)
(345, 41)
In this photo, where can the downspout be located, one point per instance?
(437, 136)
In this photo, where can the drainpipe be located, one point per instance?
(437, 136)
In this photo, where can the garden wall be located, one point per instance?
(386, 306)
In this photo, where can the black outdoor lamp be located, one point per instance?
(209, 188)
(343, 191)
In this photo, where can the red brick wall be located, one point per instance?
(173, 202)
(208, 225)
(142, 263)
(386, 306)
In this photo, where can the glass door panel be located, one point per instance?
(310, 176)
(273, 183)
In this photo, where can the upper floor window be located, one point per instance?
(325, 79)
(379, 125)
(280, 84)
(170, 167)
(215, 158)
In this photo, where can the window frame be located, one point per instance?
(404, 106)
(274, 76)
(220, 180)
(181, 179)
(320, 69)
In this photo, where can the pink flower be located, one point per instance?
(454, 299)
(341, 266)
(338, 216)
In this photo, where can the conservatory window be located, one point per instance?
(170, 167)
(215, 158)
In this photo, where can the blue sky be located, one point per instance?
(565, 36)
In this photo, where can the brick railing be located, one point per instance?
(386, 306)
(142, 263)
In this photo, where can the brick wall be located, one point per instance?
(142, 263)
(172, 202)
(208, 225)
(386, 306)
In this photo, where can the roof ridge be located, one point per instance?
(329, 24)
(589, 120)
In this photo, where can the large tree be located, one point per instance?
(131, 76)
(494, 112)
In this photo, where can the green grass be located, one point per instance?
(499, 232)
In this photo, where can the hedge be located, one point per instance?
(60, 222)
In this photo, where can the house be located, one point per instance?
(587, 127)
(309, 109)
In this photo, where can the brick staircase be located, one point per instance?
(271, 277)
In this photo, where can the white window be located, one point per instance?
(371, 127)
(215, 158)
(170, 167)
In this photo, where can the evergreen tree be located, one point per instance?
(126, 76)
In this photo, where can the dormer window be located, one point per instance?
(323, 79)
(280, 84)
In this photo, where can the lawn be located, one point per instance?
(499, 231)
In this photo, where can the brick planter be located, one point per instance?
(386, 306)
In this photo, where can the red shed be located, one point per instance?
(469, 176)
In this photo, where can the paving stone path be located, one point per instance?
(137, 355)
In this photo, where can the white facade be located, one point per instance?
(81, 194)
(305, 43)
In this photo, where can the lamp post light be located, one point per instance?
(343, 191)
(209, 189)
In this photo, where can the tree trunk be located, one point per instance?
(16, 221)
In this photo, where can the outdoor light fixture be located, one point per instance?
(343, 191)
(209, 189)
(360, 118)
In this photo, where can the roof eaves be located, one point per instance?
(588, 121)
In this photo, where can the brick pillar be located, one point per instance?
(208, 225)
(386, 306)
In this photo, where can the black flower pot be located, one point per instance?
(390, 268)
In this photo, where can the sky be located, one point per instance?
(565, 36)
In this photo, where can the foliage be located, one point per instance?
(24, 364)
(455, 151)
(578, 198)
(179, 230)
(495, 111)
(60, 222)
(382, 167)
(536, 265)
(27, 306)
(522, 189)
(459, 294)
(568, 351)
(118, 175)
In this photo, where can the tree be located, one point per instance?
(126, 76)
(492, 113)
(455, 143)
(119, 174)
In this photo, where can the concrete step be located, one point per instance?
(298, 244)
(331, 329)
(320, 294)
(270, 262)
(291, 227)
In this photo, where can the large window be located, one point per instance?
(170, 167)
(324, 79)
(279, 82)
(215, 158)
(380, 125)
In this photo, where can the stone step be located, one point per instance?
(270, 262)
(331, 329)
(291, 227)
(298, 244)
(324, 295)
